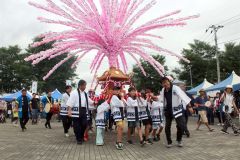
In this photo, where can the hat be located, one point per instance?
(201, 90)
(24, 89)
(229, 86)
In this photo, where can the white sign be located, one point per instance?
(68, 83)
(34, 87)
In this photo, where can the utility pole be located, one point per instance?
(190, 70)
(214, 30)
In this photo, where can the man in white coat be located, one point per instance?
(78, 108)
(173, 98)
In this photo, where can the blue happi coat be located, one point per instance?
(19, 101)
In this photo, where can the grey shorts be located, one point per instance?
(133, 124)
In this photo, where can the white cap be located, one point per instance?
(229, 86)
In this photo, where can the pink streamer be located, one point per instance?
(112, 32)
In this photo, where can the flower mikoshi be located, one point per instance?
(111, 78)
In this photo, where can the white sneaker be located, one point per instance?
(66, 135)
(179, 144)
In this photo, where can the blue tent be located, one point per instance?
(56, 94)
(6, 97)
(236, 87)
(13, 96)
(231, 80)
(205, 84)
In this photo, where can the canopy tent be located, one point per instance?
(236, 87)
(231, 80)
(6, 97)
(13, 96)
(56, 94)
(204, 85)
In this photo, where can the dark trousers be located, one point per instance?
(185, 117)
(67, 121)
(180, 127)
(23, 121)
(48, 119)
(80, 124)
(220, 116)
(210, 115)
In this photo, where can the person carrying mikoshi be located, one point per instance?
(145, 116)
(48, 102)
(66, 120)
(228, 103)
(78, 108)
(133, 115)
(117, 104)
(156, 106)
(103, 107)
(173, 98)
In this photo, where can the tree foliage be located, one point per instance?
(203, 62)
(152, 79)
(17, 74)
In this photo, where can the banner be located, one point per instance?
(68, 83)
(34, 87)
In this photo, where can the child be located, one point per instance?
(145, 117)
(15, 117)
(133, 115)
(117, 105)
(156, 114)
(101, 121)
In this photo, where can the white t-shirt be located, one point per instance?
(228, 101)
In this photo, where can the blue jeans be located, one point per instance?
(34, 114)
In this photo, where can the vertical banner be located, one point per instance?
(34, 87)
(68, 83)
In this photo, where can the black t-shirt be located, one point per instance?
(34, 103)
(168, 97)
(24, 104)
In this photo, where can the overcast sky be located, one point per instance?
(18, 25)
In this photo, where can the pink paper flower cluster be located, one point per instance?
(110, 30)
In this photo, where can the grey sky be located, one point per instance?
(18, 25)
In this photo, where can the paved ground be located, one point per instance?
(44, 144)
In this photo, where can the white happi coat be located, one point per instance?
(156, 113)
(73, 103)
(143, 109)
(131, 105)
(179, 98)
(116, 104)
(100, 118)
(63, 110)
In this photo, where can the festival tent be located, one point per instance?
(204, 85)
(236, 87)
(56, 94)
(231, 80)
(12, 96)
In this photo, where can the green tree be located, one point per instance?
(14, 70)
(152, 79)
(17, 74)
(202, 63)
(230, 59)
(59, 77)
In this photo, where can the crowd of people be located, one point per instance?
(145, 112)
